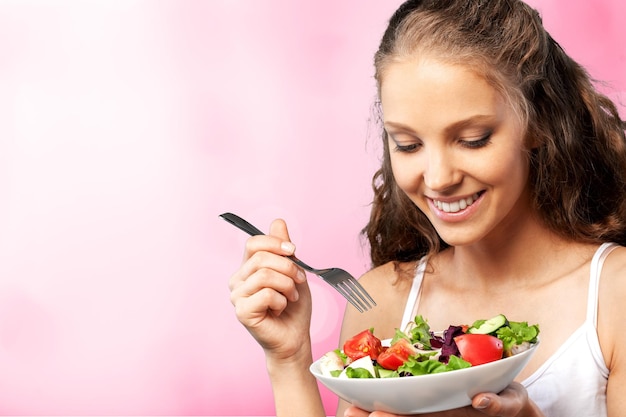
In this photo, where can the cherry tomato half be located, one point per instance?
(479, 348)
(396, 354)
(362, 344)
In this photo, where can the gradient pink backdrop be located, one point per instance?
(127, 126)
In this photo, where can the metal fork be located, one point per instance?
(339, 279)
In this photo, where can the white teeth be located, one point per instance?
(456, 206)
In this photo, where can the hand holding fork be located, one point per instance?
(339, 279)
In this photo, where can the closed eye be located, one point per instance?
(407, 148)
(404, 143)
(478, 143)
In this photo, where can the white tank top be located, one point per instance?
(572, 382)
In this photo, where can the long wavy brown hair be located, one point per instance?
(578, 157)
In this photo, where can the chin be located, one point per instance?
(459, 238)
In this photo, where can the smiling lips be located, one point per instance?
(455, 206)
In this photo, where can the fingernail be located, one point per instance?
(483, 403)
(288, 247)
(301, 275)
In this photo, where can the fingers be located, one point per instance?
(277, 241)
(253, 309)
(267, 280)
(257, 254)
(262, 260)
(353, 411)
(509, 402)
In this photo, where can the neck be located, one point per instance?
(523, 257)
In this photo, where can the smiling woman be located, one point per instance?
(460, 146)
(127, 126)
(497, 149)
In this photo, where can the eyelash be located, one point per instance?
(407, 148)
(472, 144)
(476, 144)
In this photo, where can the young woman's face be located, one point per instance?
(457, 150)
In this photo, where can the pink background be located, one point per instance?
(127, 126)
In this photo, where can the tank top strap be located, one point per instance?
(410, 309)
(594, 280)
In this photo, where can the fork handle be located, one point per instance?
(241, 224)
(253, 231)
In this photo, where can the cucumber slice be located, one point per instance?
(387, 373)
(488, 326)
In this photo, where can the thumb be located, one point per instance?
(509, 402)
(278, 229)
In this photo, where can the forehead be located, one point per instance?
(410, 88)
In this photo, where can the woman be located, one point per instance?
(502, 190)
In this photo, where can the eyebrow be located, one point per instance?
(479, 118)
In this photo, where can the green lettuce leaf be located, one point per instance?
(358, 373)
(517, 333)
(420, 333)
(423, 365)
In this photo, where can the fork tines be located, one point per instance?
(355, 294)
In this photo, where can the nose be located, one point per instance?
(440, 172)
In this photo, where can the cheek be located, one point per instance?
(508, 169)
(405, 173)
(511, 159)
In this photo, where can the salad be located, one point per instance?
(420, 351)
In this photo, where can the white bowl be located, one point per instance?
(426, 393)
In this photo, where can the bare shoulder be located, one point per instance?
(613, 280)
(612, 308)
(389, 285)
(391, 274)
(611, 316)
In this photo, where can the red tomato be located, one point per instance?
(479, 348)
(362, 344)
(396, 354)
